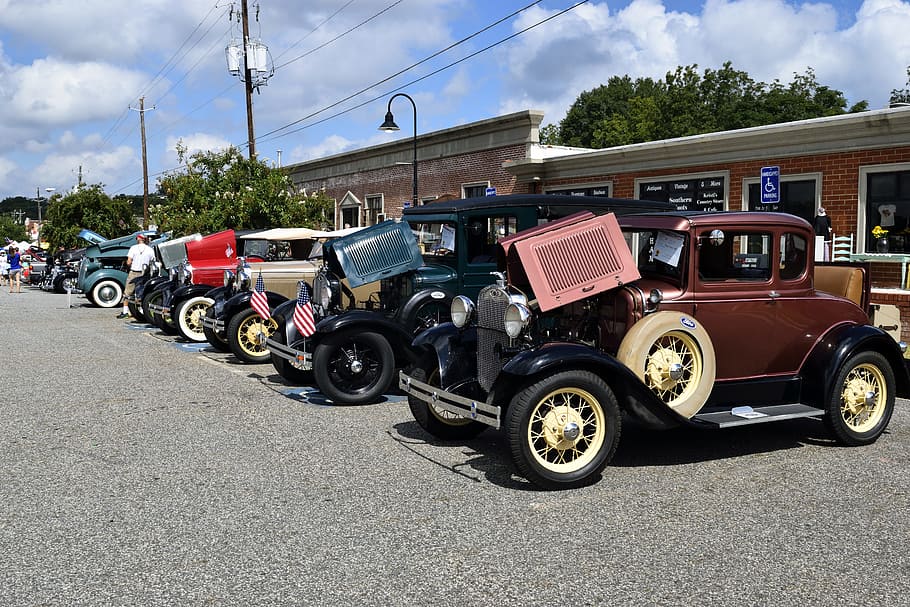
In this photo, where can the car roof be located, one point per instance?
(534, 200)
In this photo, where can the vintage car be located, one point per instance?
(288, 256)
(178, 303)
(62, 271)
(705, 320)
(353, 355)
(169, 253)
(102, 270)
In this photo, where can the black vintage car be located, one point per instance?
(354, 354)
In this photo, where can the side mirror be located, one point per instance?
(716, 237)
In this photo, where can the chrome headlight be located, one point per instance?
(462, 309)
(244, 278)
(323, 291)
(186, 274)
(228, 278)
(517, 317)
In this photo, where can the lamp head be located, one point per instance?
(389, 125)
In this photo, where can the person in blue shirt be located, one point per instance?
(15, 269)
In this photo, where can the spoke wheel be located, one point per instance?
(354, 368)
(285, 369)
(563, 429)
(189, 315)
(430, 314)
(674, 358)
(862, 399)
(438, 422)
(243, 336)
(152, 299)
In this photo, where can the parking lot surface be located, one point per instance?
(139, 470)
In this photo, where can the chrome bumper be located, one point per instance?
(215, 324)
(299, 359)
(484, 413)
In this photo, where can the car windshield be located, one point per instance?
(436, 238)
(658, 253)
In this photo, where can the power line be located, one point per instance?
(312, 31)
(414, 65)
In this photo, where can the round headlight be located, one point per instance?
(462, 310)
(517, 318)
(322, 291)
(188, 272)
(244, 277)
(228, 278)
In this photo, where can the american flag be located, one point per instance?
(303, 312)
(259, 301)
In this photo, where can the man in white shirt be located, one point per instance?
(138, 258)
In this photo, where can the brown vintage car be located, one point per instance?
(711, 320)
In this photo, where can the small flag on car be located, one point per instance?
(259, 301)
(303, 312)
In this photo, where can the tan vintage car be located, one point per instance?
(287, 256)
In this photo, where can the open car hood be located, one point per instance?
(571, 259)
(373, 253)
(173, 252)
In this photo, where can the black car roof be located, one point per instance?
(537, 200)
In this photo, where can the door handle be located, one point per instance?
(773, 294)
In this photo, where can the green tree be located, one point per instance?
(901, 95)
(89, 207)
(219, 190)
(688, 103)
(10, 229)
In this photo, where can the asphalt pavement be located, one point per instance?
(138, 470)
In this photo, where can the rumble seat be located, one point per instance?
(842, 281)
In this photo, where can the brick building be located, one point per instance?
(857, 166)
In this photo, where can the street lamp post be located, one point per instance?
(390, 126)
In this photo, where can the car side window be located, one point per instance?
(793, 256)
(482, 234)
(736, 256)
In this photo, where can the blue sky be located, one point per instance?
(70, 72)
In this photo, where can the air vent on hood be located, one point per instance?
(381, 251)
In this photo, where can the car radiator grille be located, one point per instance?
(491, 335)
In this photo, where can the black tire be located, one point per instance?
(437, 422)
(862, 399)
(294, 376)
(188, 317)
(242, 336)
(151, 299)
(354, 368)
(215, 339)
(136, 311)
(107, 293)
(564, 429)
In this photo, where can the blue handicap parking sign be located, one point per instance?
(770, 185)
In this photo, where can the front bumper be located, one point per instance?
(482, 412)
(215, 324)
(298, 358)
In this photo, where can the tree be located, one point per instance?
(10, 229)
(901, 95)
(220, 190)
(88, 207)
(686, 103)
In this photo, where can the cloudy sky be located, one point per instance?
(72, 73)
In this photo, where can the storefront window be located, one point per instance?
(797, 197)
(699, 194)
(888, 208)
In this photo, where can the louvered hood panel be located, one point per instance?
(570, 263)
(381, 251)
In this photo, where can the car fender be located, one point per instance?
(184, 292)
(409, 309)
(397, 334)
(455, 351)
(633, 395)
(838, 345)
(103, 274)
(283, 315)
(241, 301)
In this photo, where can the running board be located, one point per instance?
(741, 416)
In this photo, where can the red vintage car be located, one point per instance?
(711, 320)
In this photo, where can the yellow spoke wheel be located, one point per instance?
(862, 399)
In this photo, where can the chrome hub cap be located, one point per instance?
(562, 427)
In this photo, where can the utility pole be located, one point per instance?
(145, 166)
(248, 77)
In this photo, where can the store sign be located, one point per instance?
(705, 194)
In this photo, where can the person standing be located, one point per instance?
(15, 269)
(138, 258)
